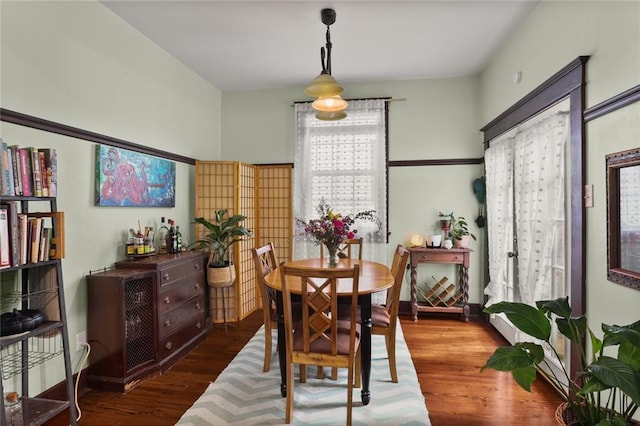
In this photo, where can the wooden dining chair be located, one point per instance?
(351, 249)
(385, 317)
(265, 261)
(319, 338)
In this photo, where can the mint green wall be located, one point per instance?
(78, 64)
(433, 119)
(554, 35)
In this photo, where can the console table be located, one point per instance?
(441, 297)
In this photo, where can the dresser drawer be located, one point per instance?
(187, 268)
(176, 341)
(174, 294)
(171, 321)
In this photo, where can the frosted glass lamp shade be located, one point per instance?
(329, 104)
(331, 116)
(417, 240)
(323, 85)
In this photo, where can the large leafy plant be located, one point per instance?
(223, 232)
(607, 391)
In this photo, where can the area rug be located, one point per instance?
(244, 395)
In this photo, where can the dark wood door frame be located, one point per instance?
(569, 83)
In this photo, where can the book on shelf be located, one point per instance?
(14, 243)
(43, 174)
(35, 168)
(43, 249)
(15, 160)
(26, 172)
(35, 229)
(23, 237)
(5, 261)
(7, 186)
(51, 171)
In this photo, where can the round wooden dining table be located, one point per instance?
(374, 277)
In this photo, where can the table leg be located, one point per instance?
(365, 345)
(282, 350)
(464, 287)
(414, 292)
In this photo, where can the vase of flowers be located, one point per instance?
(333, 229)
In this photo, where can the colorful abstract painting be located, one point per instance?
(130, 179)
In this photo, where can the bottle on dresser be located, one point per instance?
(178, 239)
(162, 236)
(172, 241)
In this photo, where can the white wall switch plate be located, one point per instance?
(588, 195)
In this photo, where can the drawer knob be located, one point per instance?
(198, 306)
(197, 286)
(167, 300)
(198, 325)
(166, 276)
(168, 345)
(167, 323)
(197, 266)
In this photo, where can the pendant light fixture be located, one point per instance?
(328, 103)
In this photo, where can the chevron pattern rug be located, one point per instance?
(244, 395)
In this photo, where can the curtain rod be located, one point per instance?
(358, 99)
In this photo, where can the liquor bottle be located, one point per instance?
(178, 239)
(162, 236)
(171, 238)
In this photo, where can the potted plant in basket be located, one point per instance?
(223, 232)
(459, 232)
(608, 391)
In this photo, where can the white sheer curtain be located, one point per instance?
(498, 159)
(540, 203)
(343, 162)
(526, 187)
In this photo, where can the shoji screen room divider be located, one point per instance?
(263, 195)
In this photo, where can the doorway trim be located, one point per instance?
(569, 83)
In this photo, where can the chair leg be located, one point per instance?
(303, 373)
(390, 339)
(319, 372)
(349, 393)
(289, 404)
(358, 369)
(267, 347)
(334, 373)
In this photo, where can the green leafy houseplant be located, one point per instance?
(223, 232)
(459, 228)
(608, 390)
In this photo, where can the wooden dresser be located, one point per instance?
(144, 315)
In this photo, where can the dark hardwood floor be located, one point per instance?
(447, 354)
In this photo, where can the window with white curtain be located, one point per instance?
(345, 163)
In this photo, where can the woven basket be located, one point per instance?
(221, 277)
(565, 417)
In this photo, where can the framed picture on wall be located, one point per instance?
(131, 179)
(623, 218)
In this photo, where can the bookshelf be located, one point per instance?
(36, 285)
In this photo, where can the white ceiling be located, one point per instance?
(246, 45)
